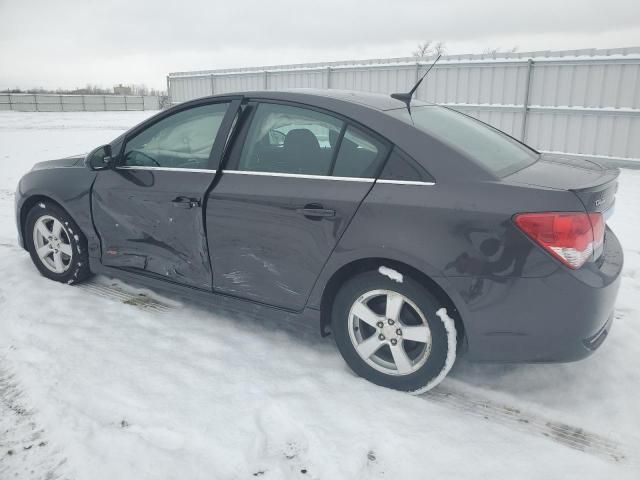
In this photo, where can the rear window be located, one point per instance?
(491, 149)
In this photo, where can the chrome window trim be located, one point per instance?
(165, 169)
(300, 175)
(405, 182)
(277, 174)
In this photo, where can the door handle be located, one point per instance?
(185, 202)
(315, 210)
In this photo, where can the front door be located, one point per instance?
(148, 210)
(294, 180)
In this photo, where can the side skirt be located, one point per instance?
(206, 298)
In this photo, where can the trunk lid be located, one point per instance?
(592, 183)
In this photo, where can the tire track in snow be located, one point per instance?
(137, 297)
(513, 418)
(139, 300)
(25, 452)
(570, 436)
(508, 416)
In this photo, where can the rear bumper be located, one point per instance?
(562, 317)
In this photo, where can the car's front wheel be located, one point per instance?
(394, 334)
(56, 245)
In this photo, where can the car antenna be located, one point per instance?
(406, 97)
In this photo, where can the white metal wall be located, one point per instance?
(579, 102)
(27, 102)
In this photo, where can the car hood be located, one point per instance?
(73, 161)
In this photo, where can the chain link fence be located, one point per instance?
(45, 102)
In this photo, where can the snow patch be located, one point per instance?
(85, 360)
(391, 273)
(450, 327)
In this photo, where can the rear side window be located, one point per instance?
(183, 140)
(286, 139)
(491, 149)
(401, 167)
(360, 155)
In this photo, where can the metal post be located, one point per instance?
(328, 78)
(10, 104)
(213, 85)
(525, 104)
(142, 98)
(126, 107)
(84, 104)
(35, 101)
(417, 71)
(168, 91)
(104, 102)
(266, 80)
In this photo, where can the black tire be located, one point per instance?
(441, 356)
(77, 266)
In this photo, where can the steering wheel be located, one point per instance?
(139, 152)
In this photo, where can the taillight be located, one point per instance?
(571, 237)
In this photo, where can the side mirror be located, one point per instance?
(100, 158)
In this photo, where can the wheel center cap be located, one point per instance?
(389, 331)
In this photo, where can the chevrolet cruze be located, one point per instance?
(412, 233)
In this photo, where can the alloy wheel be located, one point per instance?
(389, 332)
(52, 244)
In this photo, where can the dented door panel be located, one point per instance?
(145, 228)
(264, 244)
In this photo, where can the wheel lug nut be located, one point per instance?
(380, 337)
(391, 322)
(399, 332)
(394, 341)
(380, 324)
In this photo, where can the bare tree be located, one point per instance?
(424, 49)
(440, 48)
(428, 48)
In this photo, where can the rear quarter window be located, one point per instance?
(493, 150)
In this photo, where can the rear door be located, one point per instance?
(294, 180)
(148, 210)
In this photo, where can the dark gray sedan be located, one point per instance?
(411, 232)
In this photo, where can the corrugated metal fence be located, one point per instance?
(580, 102)
(45, 102)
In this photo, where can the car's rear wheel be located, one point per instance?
(393, 334)
(56, 245)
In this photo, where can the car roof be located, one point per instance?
(377, 101)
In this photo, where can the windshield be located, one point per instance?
(491, 149)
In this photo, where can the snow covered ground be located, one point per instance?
(104, 382)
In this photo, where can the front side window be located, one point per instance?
(286, 139)
(183, 140)
(491, 149)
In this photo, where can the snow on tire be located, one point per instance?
(394, 334)
(57, 246)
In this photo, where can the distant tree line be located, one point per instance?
(430, 48)
(140, 89)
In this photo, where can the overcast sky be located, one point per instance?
(70, 43)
